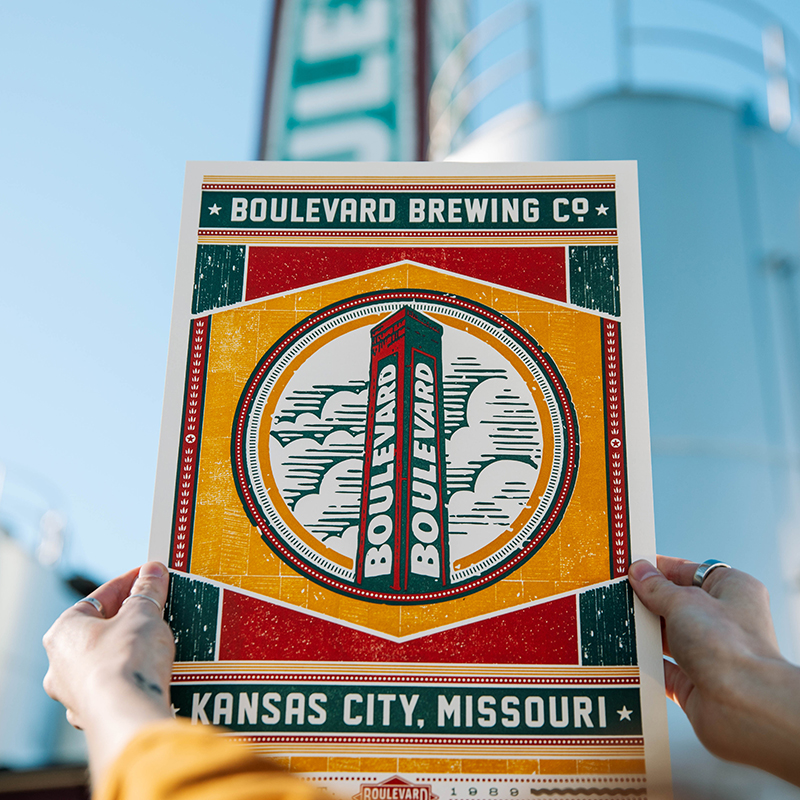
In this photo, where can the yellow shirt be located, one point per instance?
(179, 761)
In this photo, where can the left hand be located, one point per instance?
(111, 670)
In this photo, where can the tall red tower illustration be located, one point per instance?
(402, 543)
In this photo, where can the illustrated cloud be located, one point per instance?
(476, 518)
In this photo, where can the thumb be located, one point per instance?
(654, 590)
(150, 588)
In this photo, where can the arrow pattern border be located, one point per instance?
(616, 462)
(191, 429)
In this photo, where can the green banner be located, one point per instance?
(412, 710)
(455, 211)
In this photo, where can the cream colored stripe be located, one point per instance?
(386, 668)
(433, 751)
(433, 670)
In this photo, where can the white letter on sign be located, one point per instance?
(416, 210)
(239, 209)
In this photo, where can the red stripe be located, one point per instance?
(522, 741)
(257, 630)
(263, 185)
(615, 448)
(536, 270)
(444, 680)
(190, 445)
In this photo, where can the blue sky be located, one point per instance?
(102, 105)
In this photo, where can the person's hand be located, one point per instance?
(741, 696)
(111, 668)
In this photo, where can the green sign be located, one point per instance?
(408, 210)
(342, 84)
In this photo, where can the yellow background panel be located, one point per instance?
(226, 547)
(467, 767)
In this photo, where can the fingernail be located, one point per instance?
(152, 569)
(642, 570)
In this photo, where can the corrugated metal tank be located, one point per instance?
(720, 220)
(33, 728)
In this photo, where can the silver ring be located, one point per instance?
(93, 601)
(146, 597)
(705, 569)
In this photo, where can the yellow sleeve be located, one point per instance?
(173, 760)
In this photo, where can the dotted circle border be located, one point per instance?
(545, 528)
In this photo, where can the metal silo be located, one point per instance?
(719, 184)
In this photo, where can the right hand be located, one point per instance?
(741, 696)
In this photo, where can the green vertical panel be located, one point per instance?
(218, 276)
(594, 278)
(608, 633)
(191, 612)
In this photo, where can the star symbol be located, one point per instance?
(215, 209)
(624, 714)
(175, 710)
(601, 209)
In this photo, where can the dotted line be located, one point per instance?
(445, 740)
(388, 187)
(530, 778)
(407, 232)
(404, 679)
(582, 779)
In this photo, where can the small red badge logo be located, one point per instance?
(395, 788)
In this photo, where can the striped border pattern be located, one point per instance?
(539, 233)
(439, 239)
(446, 747)
(554, 182)
(310, 676)
(556, 674)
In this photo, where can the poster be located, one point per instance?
(404, 466)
